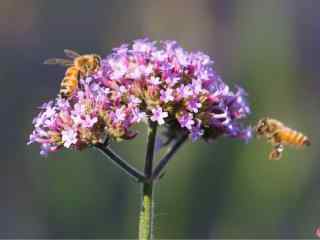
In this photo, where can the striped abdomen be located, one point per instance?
(70, 82)
(291, 137)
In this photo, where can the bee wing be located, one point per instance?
(71, 54)
(58, 61)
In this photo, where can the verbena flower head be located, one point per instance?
(144, 82)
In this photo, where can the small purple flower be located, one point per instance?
(79, 108)
(159, 56)
(196, 131)
(45, 149)
(166, 95)
(196, 86)
(184, 91)
(134, 101)
(44, 106)
(193, 105)
(62, 103)
(234, 130)
(182, 56)
(147, 70)
(246, 134)
(172, 80)
(158, 115)
(119, 67)
(88, 122)
(88, 80)
(186, 120)
(95, 87)
(77, 119)
(119, 115)
(123, 49)
(137, 115)
(143, 46)
(154, 80)
(170, 46)
(69, 137)
(122, 89)
(135, 72)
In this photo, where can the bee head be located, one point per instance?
(93, 63)
(97, 58)
(262, 126)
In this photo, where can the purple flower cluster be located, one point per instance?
(143, 82)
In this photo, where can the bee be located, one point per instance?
(78, 66)
(279, 135)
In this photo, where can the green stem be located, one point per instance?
(152, 132)
(121, 163)
(146, 212)
(167, 157)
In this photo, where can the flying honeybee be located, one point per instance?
(78, 66)
(279, 135)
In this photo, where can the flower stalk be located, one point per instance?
(146, 212)
(158, 171)
(152, 133)
(120, 163)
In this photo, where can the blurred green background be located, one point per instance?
(226, 189)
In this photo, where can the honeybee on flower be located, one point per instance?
(78, 66)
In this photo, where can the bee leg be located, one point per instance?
(275, 140)
(81, 77)
(258, 136)
(276, 152)
(272, 140)
(275, 155)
